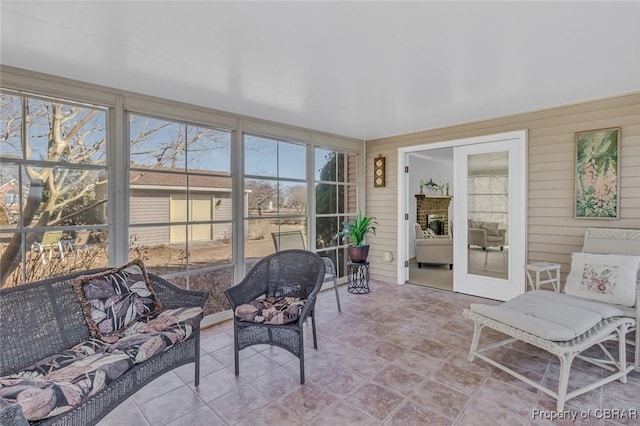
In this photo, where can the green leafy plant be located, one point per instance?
(356, 231)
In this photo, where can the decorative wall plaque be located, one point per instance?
(378, 172)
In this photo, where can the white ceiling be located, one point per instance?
(361, 69)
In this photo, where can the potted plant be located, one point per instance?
(356, 232)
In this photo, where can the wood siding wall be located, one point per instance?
(552, 231)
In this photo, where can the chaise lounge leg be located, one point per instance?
(477, 329)
(637, 333)
(565, 368)
(622, 351)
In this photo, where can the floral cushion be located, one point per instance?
(271, 310)
(63, 381)
(114, 299)
(47, 395)
(145, 338)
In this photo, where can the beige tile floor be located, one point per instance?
(395, 356)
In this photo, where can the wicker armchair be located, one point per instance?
(290, 273)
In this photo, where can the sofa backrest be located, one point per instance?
(39, 319)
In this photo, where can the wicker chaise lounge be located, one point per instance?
(568, 325)
(43, 324)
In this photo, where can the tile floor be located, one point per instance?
(395, 356)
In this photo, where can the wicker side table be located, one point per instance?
(540, 267)
(358, 277)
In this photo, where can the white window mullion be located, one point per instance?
(118, 169)
(311, 199)
(239, 206)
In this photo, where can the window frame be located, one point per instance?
(120, 102)
(23, 162)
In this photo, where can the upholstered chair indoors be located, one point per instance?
(486, 234)
(433, 249)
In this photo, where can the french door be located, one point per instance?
(490, 216)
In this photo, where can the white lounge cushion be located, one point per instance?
(604, 277)
(551, 316)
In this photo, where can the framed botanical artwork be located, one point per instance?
(597, 174)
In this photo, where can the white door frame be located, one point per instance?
(404, 224)
(482, 285)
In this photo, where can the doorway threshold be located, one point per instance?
(433, 276)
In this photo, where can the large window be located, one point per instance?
(54, 181)
(180, 204)
(86, 185)
(336, 201)
(276, 193)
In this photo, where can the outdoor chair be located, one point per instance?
(51, 241)
(599, 313)
(285, 240)
(82, 242)
(273, 301)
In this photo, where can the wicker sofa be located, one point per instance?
(44, 321)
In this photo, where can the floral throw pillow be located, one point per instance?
(607, 278)
(429, 234)
(114, 299)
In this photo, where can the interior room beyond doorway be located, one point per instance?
(431, 205)
(430, 186)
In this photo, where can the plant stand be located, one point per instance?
(358, 277)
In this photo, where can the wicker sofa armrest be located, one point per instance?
(11, 414)
(173, 296)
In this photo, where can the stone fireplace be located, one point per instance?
(433, 211)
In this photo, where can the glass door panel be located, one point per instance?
(489, 216)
